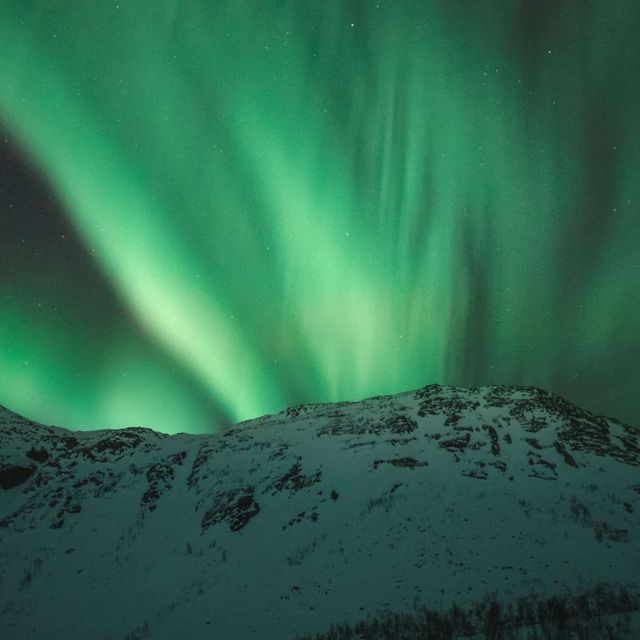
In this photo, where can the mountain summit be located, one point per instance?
(492, 512)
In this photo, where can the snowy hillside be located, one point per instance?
(320, 515)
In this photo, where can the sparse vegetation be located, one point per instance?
(603, 530)
(384, 502)
(139, 633)
(299, 555)
(26, 579)
(595, 614)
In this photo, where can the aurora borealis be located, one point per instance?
(213, 210)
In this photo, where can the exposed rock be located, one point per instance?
(13, 475)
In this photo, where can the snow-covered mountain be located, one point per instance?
(458, 510)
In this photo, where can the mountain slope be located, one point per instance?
(320, 514)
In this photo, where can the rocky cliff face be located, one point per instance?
(407, 505)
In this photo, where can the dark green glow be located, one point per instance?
(311, 201)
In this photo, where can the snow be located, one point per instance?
(319, 514)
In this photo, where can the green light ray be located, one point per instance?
(305, 201)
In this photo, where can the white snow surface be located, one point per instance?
(282, 525)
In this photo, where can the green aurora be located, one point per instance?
(274, 202)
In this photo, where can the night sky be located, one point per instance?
(213, 210)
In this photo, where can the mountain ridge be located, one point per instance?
(319, 514)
